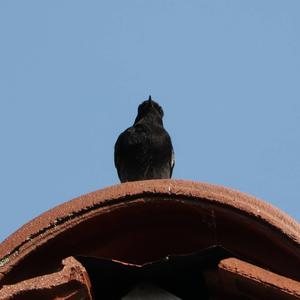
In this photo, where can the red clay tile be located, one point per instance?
(238, 279)
(138, 222)
(71, 283)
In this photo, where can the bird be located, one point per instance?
(144, 150)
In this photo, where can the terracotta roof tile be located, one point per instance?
(234, 277)
(139, 222)
(72, 282)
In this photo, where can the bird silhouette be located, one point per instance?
(144, 150)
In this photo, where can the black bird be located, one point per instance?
(144, 150)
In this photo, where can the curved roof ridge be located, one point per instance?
(72, 213)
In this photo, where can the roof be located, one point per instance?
(140, 222)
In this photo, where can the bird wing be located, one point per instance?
(132, 147)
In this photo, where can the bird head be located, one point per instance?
(149, 107)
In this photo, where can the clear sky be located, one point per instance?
(72, 73)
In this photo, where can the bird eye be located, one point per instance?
(161, 111)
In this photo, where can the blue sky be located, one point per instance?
(72, 74)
